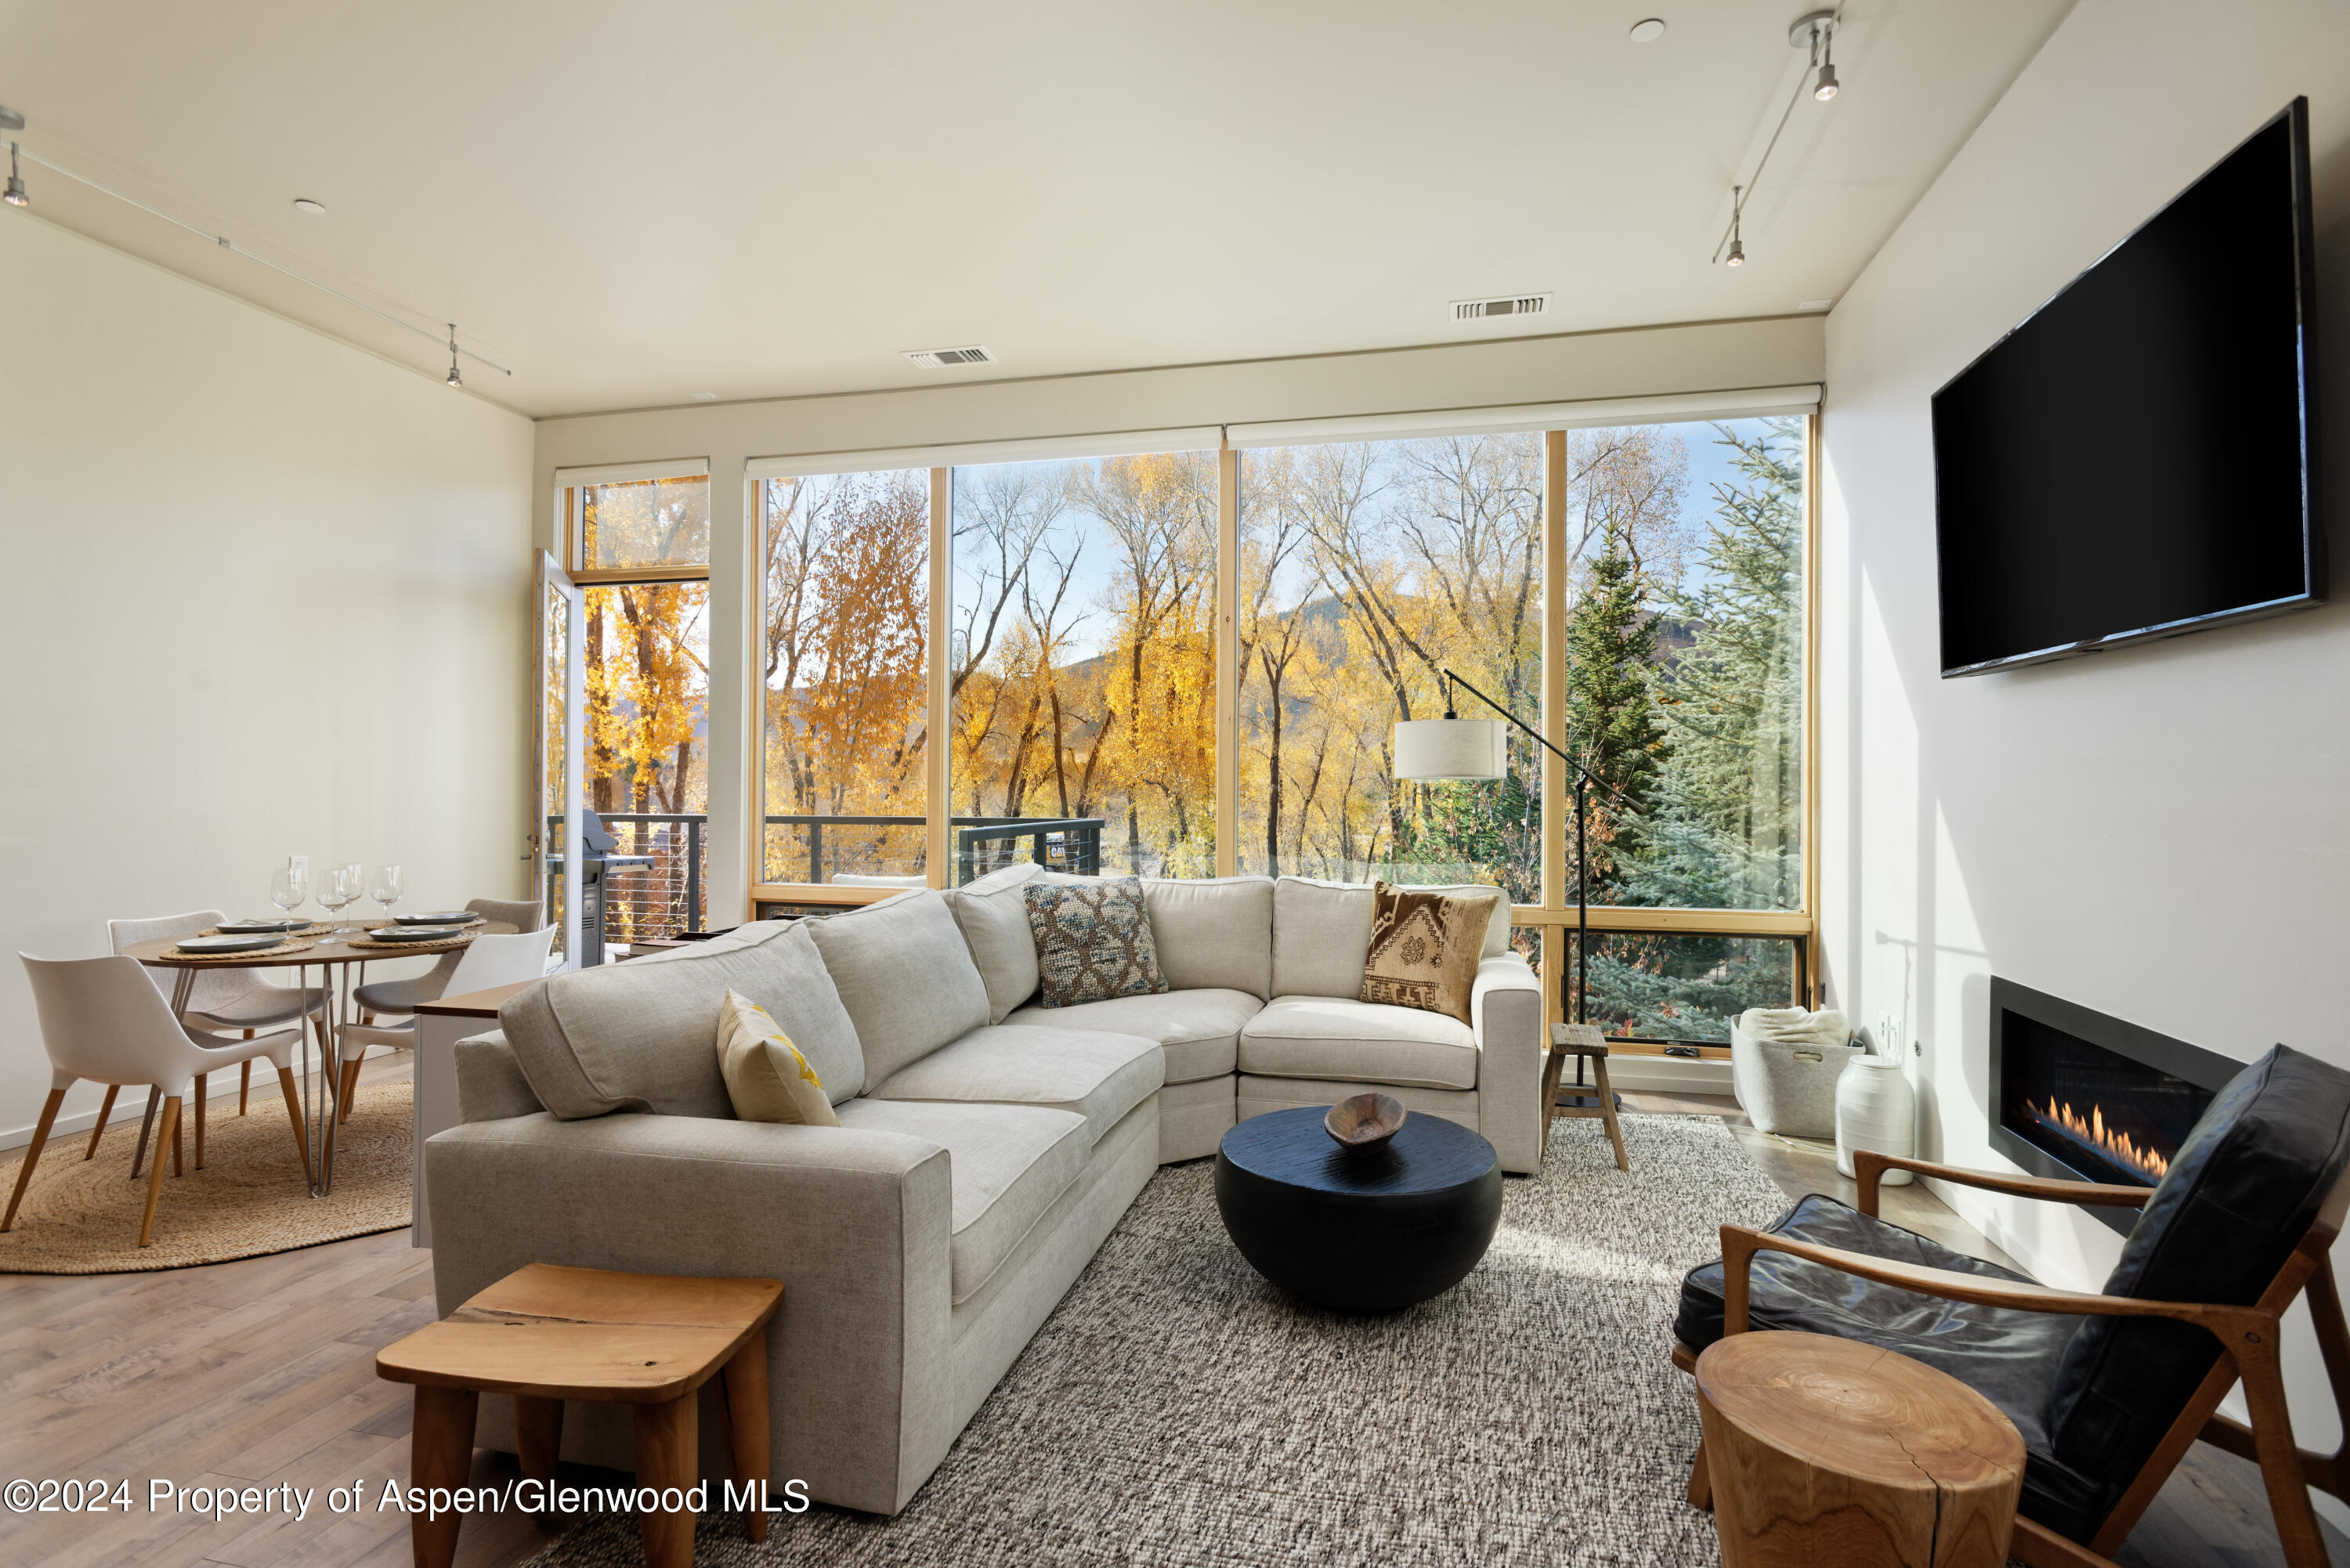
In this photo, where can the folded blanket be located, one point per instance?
(1795, 1026)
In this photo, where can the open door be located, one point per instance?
(560, 697)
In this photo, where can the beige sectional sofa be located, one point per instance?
(987, 1144)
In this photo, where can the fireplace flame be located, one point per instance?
(2117, 1147)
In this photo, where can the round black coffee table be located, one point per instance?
(1358, 1230)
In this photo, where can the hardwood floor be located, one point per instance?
(260, 1373)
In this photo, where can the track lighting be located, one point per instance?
(454, 379)
(1817, 33)
(14, 194)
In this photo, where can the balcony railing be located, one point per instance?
(655, 875)
(982, 844)
(652, 879)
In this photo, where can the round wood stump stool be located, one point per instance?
(1829, 1453)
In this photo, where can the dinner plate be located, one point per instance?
(229, 944)
(445, 917)
(255, 928)
(414, 933)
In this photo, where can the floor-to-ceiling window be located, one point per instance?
(1184, 662)
(639, 548)
(844, 678)
(1081, 671)
(1367, 570)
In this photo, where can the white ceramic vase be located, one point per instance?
(1876, 1109)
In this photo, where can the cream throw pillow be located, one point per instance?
(766, 1077)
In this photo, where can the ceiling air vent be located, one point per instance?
(937, 358)
(1508, 304)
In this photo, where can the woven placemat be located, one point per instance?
(370, 945)
(282, 949)
(316, 929)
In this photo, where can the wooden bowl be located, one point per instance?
(1364, 1121)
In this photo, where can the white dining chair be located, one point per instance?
(102, 1021)
(486, 962)
(393, 997)
(226, 999)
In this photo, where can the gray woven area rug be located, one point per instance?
(1177, 1410)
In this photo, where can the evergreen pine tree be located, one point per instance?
(1733, 702)
(1612, 722)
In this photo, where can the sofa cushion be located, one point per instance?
(767, 1077)
(993, 916)
(904, 975)
(1100, 1077)
(1006, 1166)
(1200, 1031)
(1425, 947)
(636, 1036)
(1213, 933)
(1334, 1037)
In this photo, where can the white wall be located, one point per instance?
(1723, 356)
(214, 522)
(2162, 832)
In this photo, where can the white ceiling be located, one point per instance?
(631, 204)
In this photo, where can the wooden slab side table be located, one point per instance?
(545, 1333)
(1824, 1451)
(1584, 1040)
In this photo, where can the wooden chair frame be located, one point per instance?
(2250, 1341)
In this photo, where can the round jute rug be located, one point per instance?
(81, 1216)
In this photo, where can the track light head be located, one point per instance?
(1737, 257)
(454, 379)
(14, 194)
(1816, 31)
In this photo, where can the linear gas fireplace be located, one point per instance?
(2078, 1095)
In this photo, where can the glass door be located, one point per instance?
(560, 696)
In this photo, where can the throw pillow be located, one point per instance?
(1093, 941)
(766, 1077)
(1425, 947)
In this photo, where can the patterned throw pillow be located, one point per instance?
(1425, 947)
(1093, 941)
(767, 1079)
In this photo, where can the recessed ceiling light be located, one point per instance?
(1648, 31)
(702, 397)
(303, 204)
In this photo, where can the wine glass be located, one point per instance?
(289, 885)
(355, 883)
(386, 891)
(338, 887)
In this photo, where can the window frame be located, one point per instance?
(570, 529)
(1556, 912)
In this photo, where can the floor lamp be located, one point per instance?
(1431, 750)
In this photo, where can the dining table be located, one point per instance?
(341, 951)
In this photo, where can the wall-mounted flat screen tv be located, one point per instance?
(2138, 459)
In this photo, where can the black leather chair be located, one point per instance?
(2108, 1391)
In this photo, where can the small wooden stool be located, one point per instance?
(1584, 1041)
(546, 1334)
(1822, 1451)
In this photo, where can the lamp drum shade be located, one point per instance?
(1428, 749)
